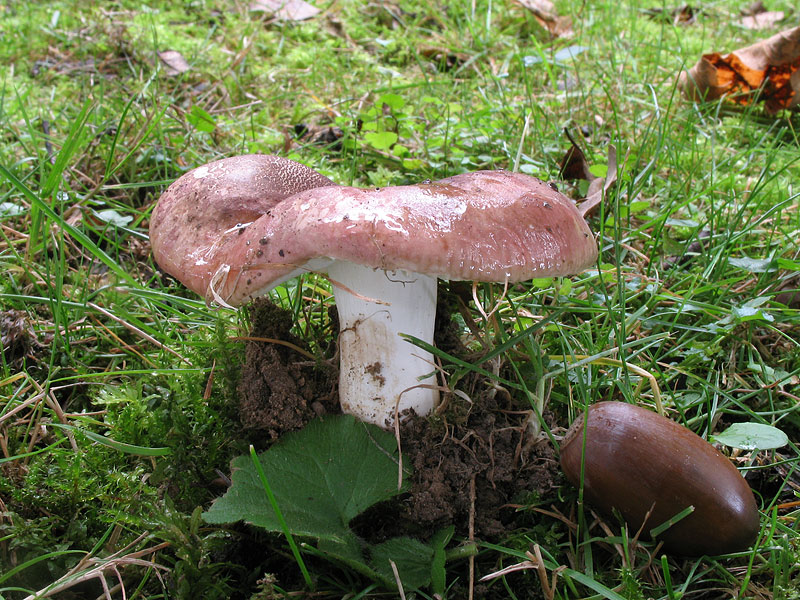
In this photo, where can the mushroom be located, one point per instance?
(234, 229)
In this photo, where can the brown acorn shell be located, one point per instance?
(636, 459)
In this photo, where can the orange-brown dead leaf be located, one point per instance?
(769, 70)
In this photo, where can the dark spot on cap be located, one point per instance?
(553, 186)
(260, 253)
(249, 281)
(263, 241)
(547, 205)
(280, 252)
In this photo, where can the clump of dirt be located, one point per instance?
(471, 463)
(475, 466)
(281, 389)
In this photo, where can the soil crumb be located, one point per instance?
(281, 389)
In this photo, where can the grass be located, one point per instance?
(698, 243)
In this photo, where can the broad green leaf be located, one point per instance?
(348, 551)
(438, 573)
(750, 313)
(394, 101)
(753, 265)
(569, 52)
(9, 209)
(201, 120)
(322, 477)
(381, 140)
(412, 558)
(112, 217)
(752, 436)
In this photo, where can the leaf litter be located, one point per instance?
(768, 71)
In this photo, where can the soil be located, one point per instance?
(472, 464)
(280, 389)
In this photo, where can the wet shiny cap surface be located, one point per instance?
(483, 226)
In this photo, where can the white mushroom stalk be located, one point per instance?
(234, 229)
(380, 373)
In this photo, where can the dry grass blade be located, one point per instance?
(138, 331)
(97, 568)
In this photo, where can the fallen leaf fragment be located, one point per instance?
(599, 186)
(545, 13)
(769, 69)
(174, 62)
(763, 20)
(682, 15)
(575, 166)
(286, 10)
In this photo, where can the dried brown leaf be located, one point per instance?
(174, 63)
(286, 10)
(574, 164)
(755, 8)
(545, 13)
(762, 20)
(600, 185)
(769, 69)
(682, 15)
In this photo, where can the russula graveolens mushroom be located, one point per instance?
(233, 229)
(635, 459)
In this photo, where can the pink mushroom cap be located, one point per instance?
(235, 228)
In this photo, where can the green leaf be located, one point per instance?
(753, 265)
(112, 217)
(411, 557)
(201, 120)
(752, 436)
(393, 101)
(438, 573)
(9, 209)
(322, 477)
(746, 313)
(381, 140)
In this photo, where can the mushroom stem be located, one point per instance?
(380, 372)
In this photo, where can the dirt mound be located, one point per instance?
(472, 463)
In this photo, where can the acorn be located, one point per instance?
(636, 459)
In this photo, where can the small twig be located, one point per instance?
(397, 580)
